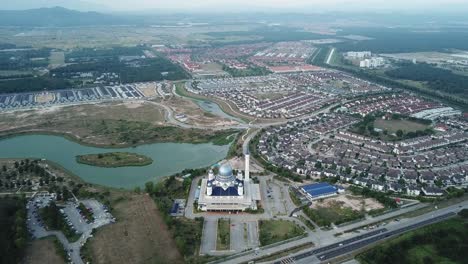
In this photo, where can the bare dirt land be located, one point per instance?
(138, 236)
(45, 98)
(194, 114)
(148, 89)
(42, 251)
(354, 202)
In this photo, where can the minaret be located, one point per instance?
(239, 175)
(240, 189)
(210, 175)
(247, 167)
(209, 189)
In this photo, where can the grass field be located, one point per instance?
(333, 212)
(56, 58)
(114, 159)
(7, 73)
(223, 240)
(107, 125)
(272, 231)
(443, 242)
(139, 235)
(393, 126)
(42, 251)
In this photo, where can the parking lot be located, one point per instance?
(74, 218)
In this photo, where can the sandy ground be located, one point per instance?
(239, 164)
(138, 236)
(45, 97)
(41, 252)
(354, 202)
(148, 89)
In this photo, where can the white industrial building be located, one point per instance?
(228, 192)
(372, 63)
(432, 114)
(359, 54)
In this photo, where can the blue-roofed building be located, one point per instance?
(178, 208)
(320, 190)
(225, 191)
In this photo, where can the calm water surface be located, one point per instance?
(168, 158)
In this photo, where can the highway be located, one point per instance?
(337, 247)
(355, 246)
(358, 242)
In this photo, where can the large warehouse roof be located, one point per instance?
(319, 189)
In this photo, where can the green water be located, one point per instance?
(215, 109)
(168, 158)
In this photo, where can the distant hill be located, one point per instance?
(78, 5)
(57, 17)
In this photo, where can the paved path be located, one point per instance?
(208, 241)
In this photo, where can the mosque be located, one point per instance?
(228, 192)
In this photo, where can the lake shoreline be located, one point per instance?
(114, 160)
(171, 158)
(79, 140)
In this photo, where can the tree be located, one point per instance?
(137, 190)
(318, 165)
(399, 133)
(149, 187)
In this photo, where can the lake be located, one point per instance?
(215, 109)
(168, 158)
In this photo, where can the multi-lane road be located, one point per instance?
(358, 242)
(335, 247)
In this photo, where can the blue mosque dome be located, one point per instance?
(225, 170)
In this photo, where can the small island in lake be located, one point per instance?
(114, 159)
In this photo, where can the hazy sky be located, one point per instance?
(300, 5)
(304, 6)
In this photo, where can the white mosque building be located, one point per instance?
(228, 192)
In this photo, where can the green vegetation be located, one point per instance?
(59, 249)
(223, 240)
(269, 34)
(250, 71)
(319, 57)
(86, 212)
(382, 198)
(54, 220)
(135, 132)
(396, 128)
(444, 242)
(186, 232)
(32, 84)
(332, 213)
(296, 201)
(13, 230)
(114, 159)
(86, 252)
(307, 222)
(124, 63)
(142, 70)
(436, 79)
(272, 231)
(380, 78)
(401, 40)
